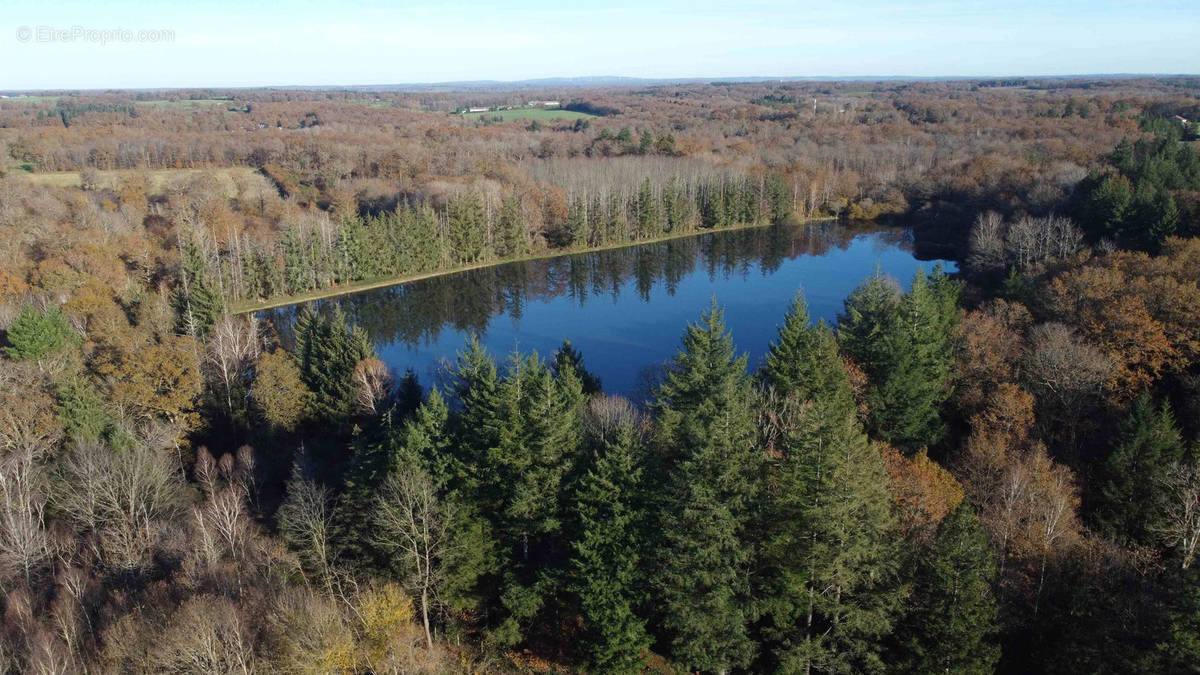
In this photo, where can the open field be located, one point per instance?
(160, 179)
(533, 114)
(31, 99)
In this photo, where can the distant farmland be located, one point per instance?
(532, 114)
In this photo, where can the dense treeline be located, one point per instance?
(318, 252)
(995, 472)
(1151, 192)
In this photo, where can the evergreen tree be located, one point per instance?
(476, 387)
(705, 439)
(298, 275)
(951, 625)
(869, 318)
(577, 223)
(354, 262)
(421, 239)
(34, 335)
(512, 240)
(648, 217)
(1152, 218)
(803, 361)
(327, 349)
(196, 301)
(905, 349)
(81, 410)
(675, 207)
(566, 356)
(829, 590)
(537, 445)
(1179, 650)
(606, 568)
(427, 442)
(1128, 506)
(780, 198)
(520, 433)
(466, 226)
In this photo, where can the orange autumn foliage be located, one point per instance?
(924, 493)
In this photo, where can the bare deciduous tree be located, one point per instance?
(205, 635)
(1181, 525)
(24, 547)
(121, 498)
(232, 349)
(222, 519)
(996, 244)
(411, 521)
(372, 382)
(306, 520)
(987, 242)
(1067, 372)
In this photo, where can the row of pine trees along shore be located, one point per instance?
(740, 521)
(417, 238)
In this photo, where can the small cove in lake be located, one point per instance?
(624, 309)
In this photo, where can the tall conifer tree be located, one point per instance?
(951, 625)
(706, 443)
(1129, 504)
(829, 591)
(606, 569)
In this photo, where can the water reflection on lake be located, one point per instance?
(625, 309)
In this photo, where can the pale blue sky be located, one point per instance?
(319, 42)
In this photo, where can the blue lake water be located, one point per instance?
(626, 309)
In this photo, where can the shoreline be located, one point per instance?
(357, 287)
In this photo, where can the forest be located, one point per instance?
(995, 470)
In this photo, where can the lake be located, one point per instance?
(625, 309)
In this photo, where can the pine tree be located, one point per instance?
(476, 387)
(829, 590)
(905, 348)
(648, 218)
(354, 263)
(869, 316)
(705, 439)
(1179, 650)
(196, 302)
(297, 265)
(538, 439)
(34, 335)
(1128, 505)
(519, 433)
(566, 356)
(951, 626)
(803, 361)
(511, 229)
(606, 570)
(327, 349)
(466, 225)
(471, 555)
(577, 223)
(779, 197)
(81, 410)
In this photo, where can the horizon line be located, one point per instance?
(614, 79)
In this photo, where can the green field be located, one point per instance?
(533, 114)
(31, 99)
(160, 179)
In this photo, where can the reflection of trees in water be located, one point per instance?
(417, 312)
